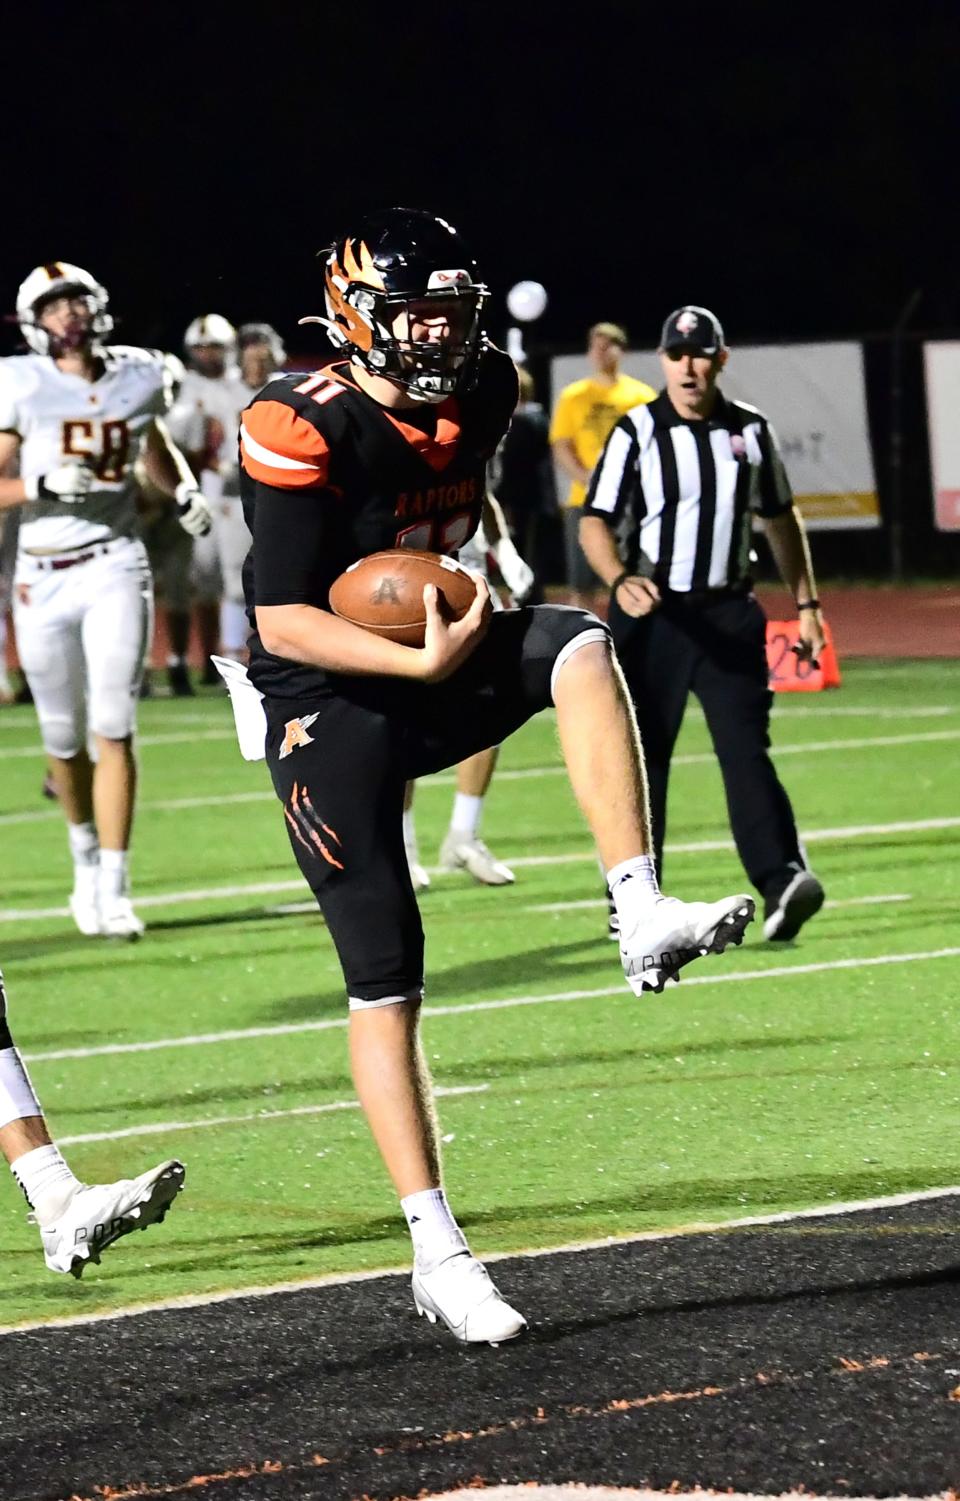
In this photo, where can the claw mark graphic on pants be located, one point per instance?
(306, 824)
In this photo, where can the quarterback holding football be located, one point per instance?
(384, 448)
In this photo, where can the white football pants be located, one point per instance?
(82, 635)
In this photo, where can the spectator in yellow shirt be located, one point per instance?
(585, 415)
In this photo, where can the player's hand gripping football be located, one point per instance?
(448, 643)
(68, 482)
(193, 513)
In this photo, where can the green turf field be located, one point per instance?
(590, 1114)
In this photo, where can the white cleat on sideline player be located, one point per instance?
(96, 1215)
(118, 919)
(84, 900)
(664, 934)
(461, 851)
(460, 1292)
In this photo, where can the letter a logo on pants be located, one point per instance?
(295, 733)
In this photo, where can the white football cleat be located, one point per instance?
(84, 900)
(418, 873)
(667, 934)
(118, 920)
(459, 1291)
(96, 1215)
(461, 851)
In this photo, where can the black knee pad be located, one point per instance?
(552, 636)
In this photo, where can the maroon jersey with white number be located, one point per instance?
(329, 476)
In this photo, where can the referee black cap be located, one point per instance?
(693, 328)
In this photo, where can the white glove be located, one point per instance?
(517, 575)
(70, 482)
(193, 513)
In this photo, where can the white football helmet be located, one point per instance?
(263, 333)
(58, 279)
(212, 328)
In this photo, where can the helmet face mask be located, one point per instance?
(50, 283)
(403, 297)
(210, 343)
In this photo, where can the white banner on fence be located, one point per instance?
(815, 396)
(941, 365)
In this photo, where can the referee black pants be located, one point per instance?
(714, 647)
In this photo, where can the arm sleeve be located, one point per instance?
(612, 481)
(291, 535)
(774, 493)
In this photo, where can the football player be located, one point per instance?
(190, 571)
(387, 447)
(79, 413)
(77, 1221)
(8, 553)
(227, 369)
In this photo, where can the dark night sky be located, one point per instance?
(793, 167)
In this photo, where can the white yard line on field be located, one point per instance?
(700, 758)
(37, 751)
(330, 1023)
(572, 1248)
(591, 901)
(161, 1128)
(563, 857)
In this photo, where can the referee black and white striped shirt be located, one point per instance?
(679, 495)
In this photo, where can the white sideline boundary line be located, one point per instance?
(695, 847)
(331, 1023)
(340, 1279)
(160, 1128)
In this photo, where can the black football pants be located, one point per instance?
(713, 647)
(339, 764)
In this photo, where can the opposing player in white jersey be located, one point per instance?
(261, 354)
(80, 414)
(188, 571)
(77, 1221)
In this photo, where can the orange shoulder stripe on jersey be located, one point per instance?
(281, 448)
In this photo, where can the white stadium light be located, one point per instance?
(527, 301)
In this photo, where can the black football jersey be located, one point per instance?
(328, 475)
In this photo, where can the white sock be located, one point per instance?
(633, 883)
(46, 1181)
(467, 811)
(114, 874)
(84, 845)
(18, 1098)
(433, 1229)
(234, 626)
(410, 834)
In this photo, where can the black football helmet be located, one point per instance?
(399, 261)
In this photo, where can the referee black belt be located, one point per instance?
(706, 596)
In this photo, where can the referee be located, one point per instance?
(667, 526)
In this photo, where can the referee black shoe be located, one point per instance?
(790, 905)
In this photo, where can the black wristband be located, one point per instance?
(619, 580)
(808, 604)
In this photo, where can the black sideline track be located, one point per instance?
(821, 1354)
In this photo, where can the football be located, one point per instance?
(383, 593)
